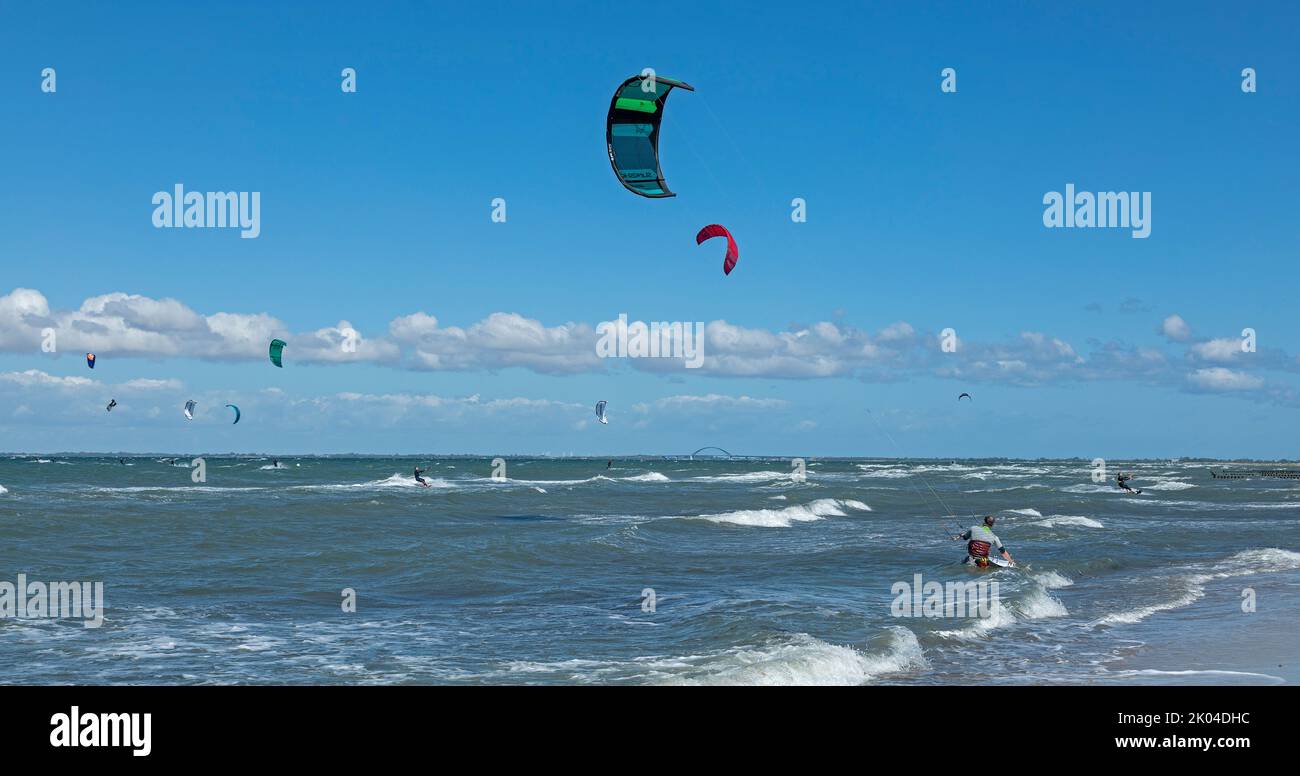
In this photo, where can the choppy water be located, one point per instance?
(540, 578)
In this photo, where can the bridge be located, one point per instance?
(719, 449)
(719, 453)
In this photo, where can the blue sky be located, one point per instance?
(924, 212)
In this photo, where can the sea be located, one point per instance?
(646, 570)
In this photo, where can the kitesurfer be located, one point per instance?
(979, 540)
(608, 464)
(418, 478)
(1122, 479)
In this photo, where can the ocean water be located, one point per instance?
(544, 577)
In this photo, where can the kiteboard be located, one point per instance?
(993, 563)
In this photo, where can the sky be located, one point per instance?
(924, 212)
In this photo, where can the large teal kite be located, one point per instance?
(632, 133)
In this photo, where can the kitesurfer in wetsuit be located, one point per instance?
(608, 464)
(1122, 479)
(979, 540)
(418, 478)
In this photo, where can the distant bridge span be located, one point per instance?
(719, 449)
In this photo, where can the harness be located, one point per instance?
(978, 551)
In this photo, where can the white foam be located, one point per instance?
(745, 477)
(392, 481)
(502, 481)
(980, 626)
(1030, 486)
(1080, 520)
(1170, 485)
(1036, 604)
(172, 489)
(1203, 672)
(1052, 579)
(888, 474)
(1087, 488)
(1025, 512)
(802, 660)
(1039, 604)
(3, 490)
(647, 477)
(1244, 563)
(784, 518)
(1141, 613)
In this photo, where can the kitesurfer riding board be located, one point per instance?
(419, 479)
(1122, 479)
(980, 539)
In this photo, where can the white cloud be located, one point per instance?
(1176, 329)
(118, 325)
(711, 402)
(1221, 379)
(500, 341)
(35, 378)
(149, 384)
(1221, 350)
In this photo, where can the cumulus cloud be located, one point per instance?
(1217, 349)
(35, 378)
(712, 402)
(117, 325)
(129, 325)
(500, 341)
(36, 381)
(1176, 329)
(1222, 379)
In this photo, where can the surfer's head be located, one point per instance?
(989, 520)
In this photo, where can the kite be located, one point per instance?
(632, 133)
(733, 250)
(277, 348)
